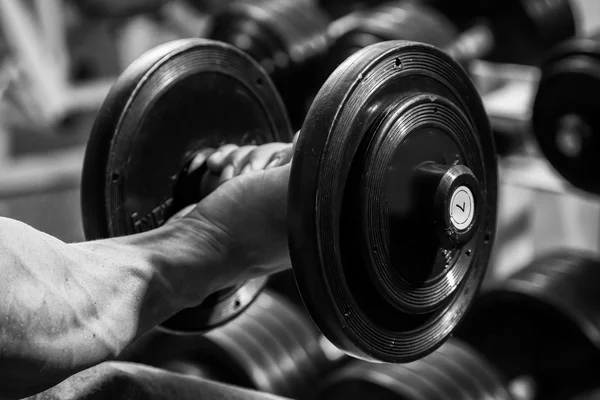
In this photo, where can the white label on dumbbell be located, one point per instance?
(462, 208)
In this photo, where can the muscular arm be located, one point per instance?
(66, 307)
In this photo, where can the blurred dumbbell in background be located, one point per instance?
(565, 117)
(539, 326)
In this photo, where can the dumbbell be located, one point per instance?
(564, 116)
(392, 191)
(396, 20)
(516, 31)
(454, 371)
(272, 347)
(291, 40)
(542, 324)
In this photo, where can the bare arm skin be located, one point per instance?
(66, 307)
(126, 381)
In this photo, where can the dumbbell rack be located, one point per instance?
(530, 189)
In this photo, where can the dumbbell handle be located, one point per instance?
(195, 180)
(474, 43)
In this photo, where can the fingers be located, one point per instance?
(282, 157)
(230, 160)
(260, 157)
(218, 160)
(236, 161)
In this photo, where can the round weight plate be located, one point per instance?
(470, 370)
(394, 21)
(172, 102)
(371, 270)
(526, 30)
(565, 112)
(266, 348)
(272, 347)
(542, 322)
(454, 371)
(287, 37)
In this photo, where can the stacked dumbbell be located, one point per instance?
(516, 31)
(541, 325)
(523, 30)
(287, 37)
(565, 111)
(454, 371)
(300, 46)
(272, 347)
(292, 41)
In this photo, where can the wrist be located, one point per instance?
(187, 254)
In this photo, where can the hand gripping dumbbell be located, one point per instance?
(392, 192)
(540, 325)
(297, 44)
(513, 31)
(565, 118)
(292, 40)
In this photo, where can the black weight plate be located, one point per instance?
(454, 371)
(525, 30)
(269, 343)
(565, 118)
(394, 21)
(287, 37)
(272, 347)
(470, 370)
(542, 322)
(173, 101)
(353, 288)
(291, 356)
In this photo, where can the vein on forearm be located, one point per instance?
(62, 307)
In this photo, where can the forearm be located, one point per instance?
(125, 381)
(65, 307)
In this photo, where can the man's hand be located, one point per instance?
(248, 210)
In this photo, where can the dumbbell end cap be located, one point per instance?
(457, 197)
